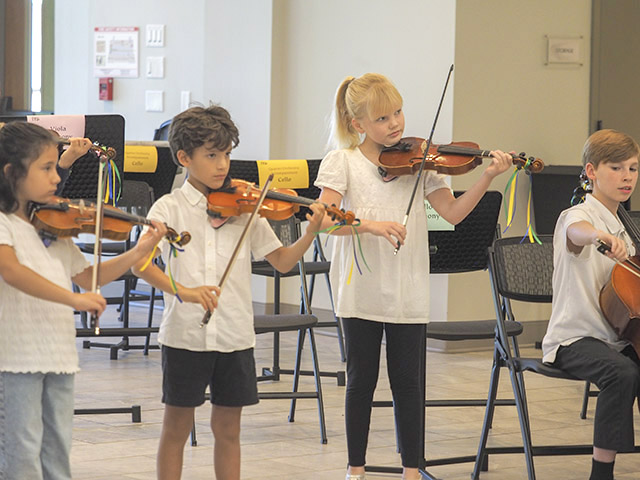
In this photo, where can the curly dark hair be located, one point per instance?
(199, 125)
(20, 144)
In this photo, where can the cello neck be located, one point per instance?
(629, 225)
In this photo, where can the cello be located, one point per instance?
(619, 298)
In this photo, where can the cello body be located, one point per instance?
(620, 303)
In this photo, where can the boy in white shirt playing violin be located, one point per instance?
(220, 354)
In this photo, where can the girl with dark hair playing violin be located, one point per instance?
(393, 297)
(579, 338)
(38, 357)
(218, 354)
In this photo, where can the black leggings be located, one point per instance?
(404, 346)
(617, 375)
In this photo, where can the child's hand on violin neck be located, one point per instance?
(89, 302)
(206, 295)
(150, 239)
(318, 211)
(77, 148)
(501, 162)
(392, 231)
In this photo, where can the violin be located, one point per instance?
(280, 203)
(69, 218)
(457, 158)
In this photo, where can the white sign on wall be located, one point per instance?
(115, 52)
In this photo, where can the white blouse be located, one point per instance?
(396, 290)
(203, 262)
(578, 279)
(38, 335)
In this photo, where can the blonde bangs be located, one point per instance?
(381, 100)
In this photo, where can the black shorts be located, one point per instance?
(231, 377)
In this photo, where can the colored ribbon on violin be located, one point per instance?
(355, 240)
(510, 202)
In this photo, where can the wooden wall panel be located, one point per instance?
(16, 52)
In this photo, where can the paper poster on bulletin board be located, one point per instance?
(115, 52)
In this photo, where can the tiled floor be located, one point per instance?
(112, 447)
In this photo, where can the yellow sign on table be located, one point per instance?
(140, 158)
(286, 173)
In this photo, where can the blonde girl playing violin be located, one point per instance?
(393, 297)
(38, 357)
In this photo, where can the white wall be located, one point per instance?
(217, 50)
(507, 98)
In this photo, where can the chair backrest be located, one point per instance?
(137, 197)
(522, 270)
(162, 132)
(288, 231)
(6, 104)
(465, 248)
(162, 178)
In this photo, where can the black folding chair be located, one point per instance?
(521, 271)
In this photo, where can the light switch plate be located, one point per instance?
(154, 100)
(185, 99)
(155, 67)
(155, 35)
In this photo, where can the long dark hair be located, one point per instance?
(20, 144)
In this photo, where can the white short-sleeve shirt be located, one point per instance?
(396, 290)
(203, 262)
(578, 279)
(38, 335)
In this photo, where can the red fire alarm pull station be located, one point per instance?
(105, 91)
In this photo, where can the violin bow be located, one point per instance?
(424, 159)
(236, 251)
(97, 246)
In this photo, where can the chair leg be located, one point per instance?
(482, 458)
(343, 356)
(194, 439)
(338, 320)
(316, 375)
(523, 417)
(147, 342)
(296, 372)
(585, 400)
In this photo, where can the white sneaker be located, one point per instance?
(356, 477)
